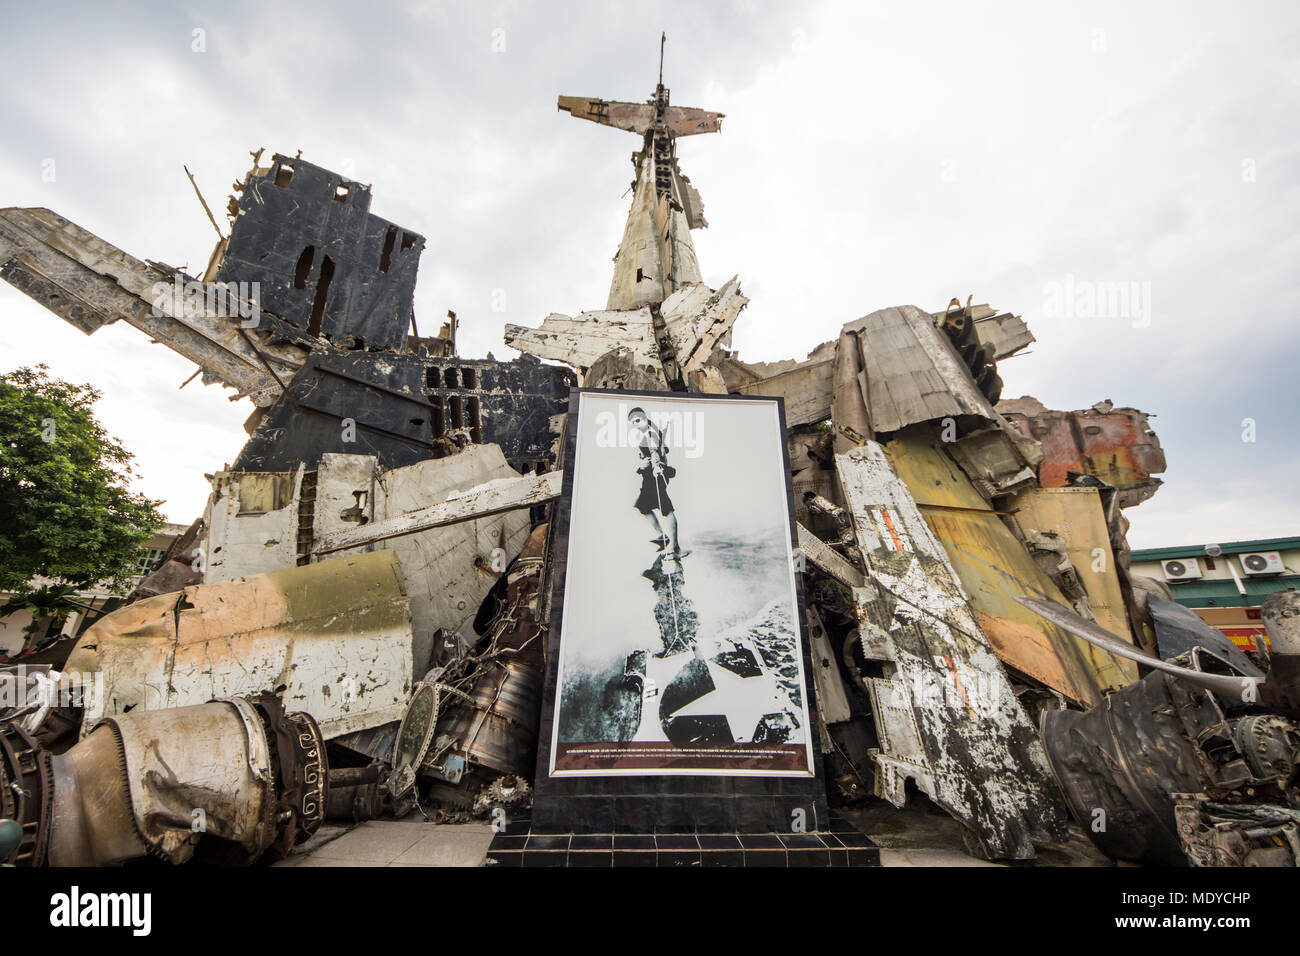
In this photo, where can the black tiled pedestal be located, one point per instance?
(840, 844)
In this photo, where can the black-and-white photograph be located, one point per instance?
(680, 643)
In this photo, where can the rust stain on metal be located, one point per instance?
(1116, 445)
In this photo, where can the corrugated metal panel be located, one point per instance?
(913, 373)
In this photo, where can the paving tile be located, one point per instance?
(584, 858)
(541, 841)
(722, 858)
(375, 841)
(677, 841)
(808, 857)
(925, 857)
(634, 858)
(449, 846)
(718, 841)
(316, 859)
(634, 841)
(546, 858)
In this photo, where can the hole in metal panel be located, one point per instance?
(303, 267)
(322, 293)
(386, 257)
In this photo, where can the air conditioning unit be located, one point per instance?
(1181, 569)
(1262, 562)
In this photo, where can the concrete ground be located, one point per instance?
(395, 843)
(920, 834)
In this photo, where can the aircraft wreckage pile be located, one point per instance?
(357, 625)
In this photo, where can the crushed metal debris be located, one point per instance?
(356, 626)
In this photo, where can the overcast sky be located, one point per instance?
(872, 155)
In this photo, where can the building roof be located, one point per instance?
(1229, 547)
(1222, 592)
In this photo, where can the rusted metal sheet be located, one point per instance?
(177, 569)
(819, 553)
(91, 282)
(832, 700)
(581, 340)
(640, 117)
(998, 460)
(321, 260)
(913, 373)
(675, 342)
(808, 387)
(481, 501)
(850, 414)
(403, 408)
(1077, 515)
(1113, 444)
(264, 521)
(738, 374)
(624, 369)
(995, 567)
(947, 718)
(252, 523)
(656, 256)
(1005, 334)
(448, 569)
(633, 117)
(336, 634)
(696, 318)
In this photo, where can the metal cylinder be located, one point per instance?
(499, 730)
(1120, 763)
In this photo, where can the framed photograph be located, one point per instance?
(681, 648)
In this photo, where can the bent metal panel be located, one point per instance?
(681, 650)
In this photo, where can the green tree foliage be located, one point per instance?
(65, 509)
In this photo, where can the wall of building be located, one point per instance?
(1226, 595)
(11, 627)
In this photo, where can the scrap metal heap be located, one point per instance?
(377, 558)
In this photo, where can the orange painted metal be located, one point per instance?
(1114, 444)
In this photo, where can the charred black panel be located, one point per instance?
(321, 259)
(395, 407)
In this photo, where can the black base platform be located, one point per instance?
(840, 845)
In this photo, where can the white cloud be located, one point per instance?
(871, 156)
